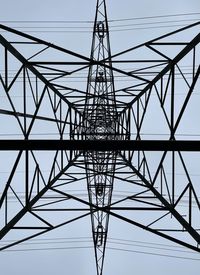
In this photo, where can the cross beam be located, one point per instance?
(101, 145)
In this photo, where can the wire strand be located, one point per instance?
(153, 254)
(91, 21)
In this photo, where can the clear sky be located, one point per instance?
(81, 261)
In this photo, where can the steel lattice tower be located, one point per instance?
(99, 136)
(100, 123)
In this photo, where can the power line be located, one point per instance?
(63, 241)
(117, 241)
(153, 254)
(91, 21)
(157, 22)
(111, 248)
(69, 239)
(156, 16)
(142, 242)
(49, 239)
(48, 21)
(151, 247)
(111, 26)
(147, 28)
(110, 21)
(47, 249)
(118, 30)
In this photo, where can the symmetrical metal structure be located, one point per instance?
(99, 131)
(100, 122)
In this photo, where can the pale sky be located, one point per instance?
(81, 261)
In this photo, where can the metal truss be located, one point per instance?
(99, 123)
(98, 135)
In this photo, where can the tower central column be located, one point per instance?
(100, 122)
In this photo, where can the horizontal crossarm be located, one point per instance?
(101, 145)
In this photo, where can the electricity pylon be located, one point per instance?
(100, 122)
(99, 136)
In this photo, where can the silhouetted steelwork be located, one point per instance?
(100, 121)
(101, 145)
(99, 135)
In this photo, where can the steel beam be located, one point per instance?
(101, 145)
